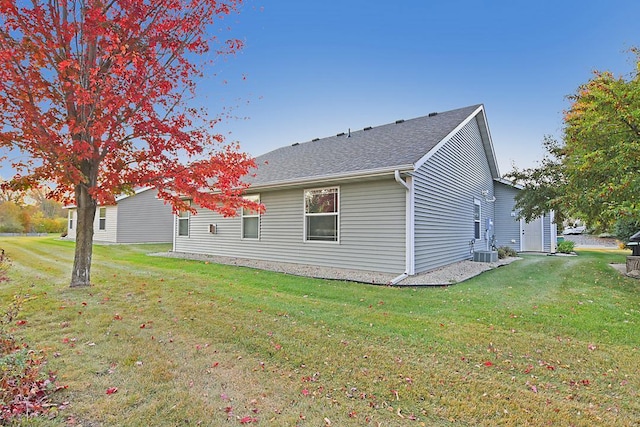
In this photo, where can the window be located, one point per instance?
(321, 214)
(251, 220)
(183, 223)
(70, 220)
(476, 219)
(103, 219)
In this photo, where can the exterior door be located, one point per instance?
(532, 236)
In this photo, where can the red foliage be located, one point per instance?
(95, 96)
(24, 391)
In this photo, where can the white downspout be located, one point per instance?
(554, 231)
(396, 175)
(409, 250)
(175, 226)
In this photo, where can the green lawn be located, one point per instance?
(542, 341)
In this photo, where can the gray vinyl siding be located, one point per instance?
(107, 235)
(143, 218)
(111, 225)
(444, 190)
(549, 236)
(371, 230)
(71, 231)
(507, 227)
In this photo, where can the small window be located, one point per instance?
(251, 220)
(183, 223)
(477, 215)
(70, 220)
(103, 219)
(321, 214)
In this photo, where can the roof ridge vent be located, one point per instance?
(433, 114)
(368, 128)
(315, 139)
(399, 121)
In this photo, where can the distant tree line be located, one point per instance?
(30, 212)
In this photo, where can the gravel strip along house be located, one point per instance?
(403, 198)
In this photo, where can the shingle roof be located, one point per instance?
(395, 145)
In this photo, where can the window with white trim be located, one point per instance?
(183, 222)
(477, 218)
(321, 214)
(251, 219)
(102, 220)
(70, 219)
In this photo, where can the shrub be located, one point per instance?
(4, 266)
(506, 252)
(24, 390)
(566, 246)
(626, 227)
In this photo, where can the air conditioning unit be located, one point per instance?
(485, 256)
(213, 228)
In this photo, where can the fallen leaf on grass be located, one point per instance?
(112, 390)
(488, 363)
(248, 420)
(21, 322)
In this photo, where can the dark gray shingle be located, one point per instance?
(382, 147)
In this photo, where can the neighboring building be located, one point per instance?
(539, 235)
(137, 218)
(403, 198)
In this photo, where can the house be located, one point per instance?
(402, 198)
(539, 235)
(137, 218)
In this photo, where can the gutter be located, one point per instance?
(364, 174)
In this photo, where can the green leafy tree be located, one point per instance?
(543, 188)
(602, 143)
(595, 173)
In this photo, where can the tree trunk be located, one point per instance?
(86, 207)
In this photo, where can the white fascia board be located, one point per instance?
(121, 197)
(486, 141)
(446, 139)
(508, 183)
(371, 173)
(138, 191)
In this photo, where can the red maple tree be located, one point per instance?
(94, 94)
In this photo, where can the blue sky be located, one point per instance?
(317, 68)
